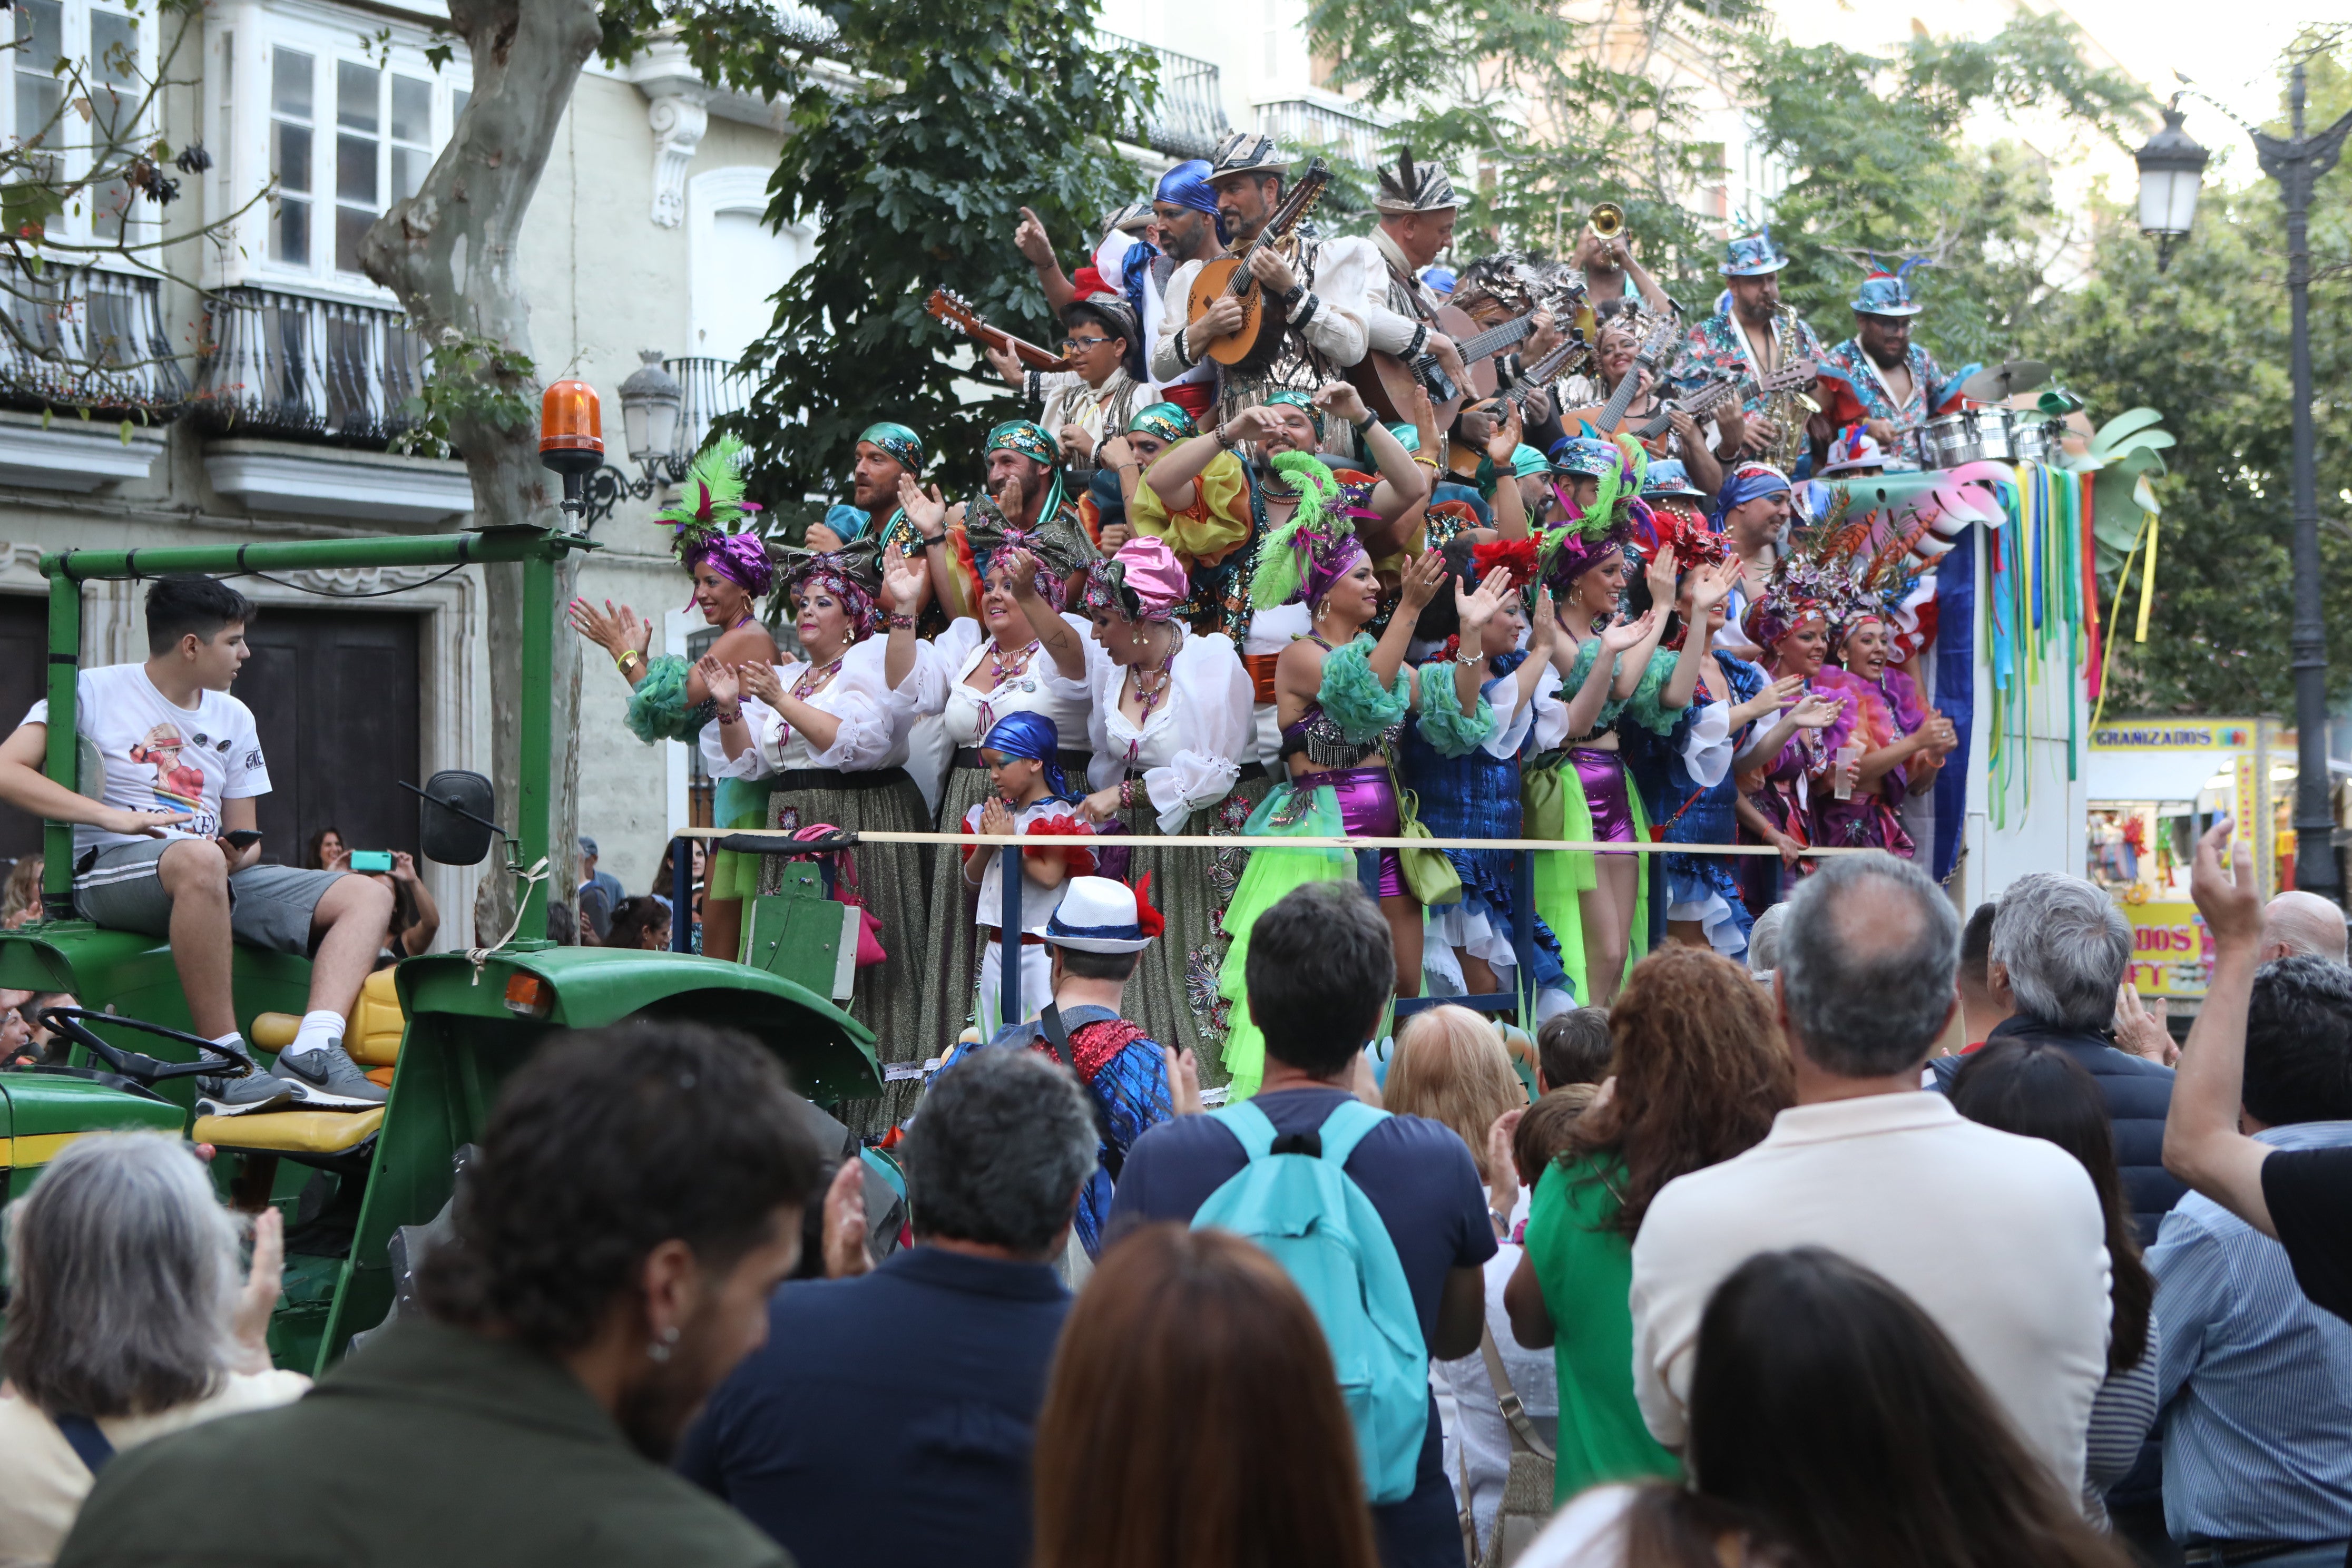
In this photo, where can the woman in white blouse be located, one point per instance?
(1169, 722)
(830, 728)
(989, 668)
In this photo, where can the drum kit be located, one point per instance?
(1986, 429)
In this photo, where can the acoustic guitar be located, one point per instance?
(956, 311)
(1254, 344)
(1386, 381)
(1461, 459)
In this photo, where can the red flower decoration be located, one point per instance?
(1146, 919)
(1519, 554)
(1080, 859)
(1088, 281)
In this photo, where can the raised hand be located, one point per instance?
(720, 680)
(1542, 629)
(1341, 398)
(2142, 1031)
(1021, 573)
(903, 581)
(1418, 587)
(758, 680)
(1503, 445)
(1252, 424)
(1660, 575)
(845, 1223)
(1029, 239)
(1619, 636)
(250, 1319)
(2231, 900)
(1184, 1080)
(1819, 710)
(1475, 610)
(616, 631)
(1710, 586)
(928, 512)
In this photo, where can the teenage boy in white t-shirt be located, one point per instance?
(182, 770)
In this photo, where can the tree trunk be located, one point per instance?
(449, 253)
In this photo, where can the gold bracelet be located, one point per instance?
(622, 663)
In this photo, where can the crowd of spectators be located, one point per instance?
(1755, 1277)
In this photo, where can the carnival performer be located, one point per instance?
(1213, 499)
(1460, 761)
(1884, 380)
(668, 697)
(828, 732)
(1169, 722)
(1895, 743)
(1686, 777)
(1317, 287)
(1752, 335)
(887, 454)
(1191, 231)
(1101, 390)
(1791, 621)
(1021, 755)
(1026, 492)
(1342, 700)
(991, 667)
(1751, 514)
(1111, 494)
(1417, 208)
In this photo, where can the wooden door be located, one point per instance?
(335, 696)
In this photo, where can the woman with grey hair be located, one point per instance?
(126, 1321)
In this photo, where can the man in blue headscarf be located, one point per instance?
(1190, 229)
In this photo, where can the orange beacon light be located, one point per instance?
(570, 439)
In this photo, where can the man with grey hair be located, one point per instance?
(2061, 950)
(938, 1358)
(2301, 924)
(2013, 1266)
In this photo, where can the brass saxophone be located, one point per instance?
(1789, 410)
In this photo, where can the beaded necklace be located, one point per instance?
(815, 679)
(1000, 670)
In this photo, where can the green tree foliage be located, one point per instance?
(2207, 343)
(1877, 168)
(914, 131)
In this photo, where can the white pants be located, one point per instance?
(1036, 984)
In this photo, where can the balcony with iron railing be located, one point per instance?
(1303, 124)
(712, 388)
(296, 368)
(1188, 119)
(89, 341)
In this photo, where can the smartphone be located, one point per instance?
(371, 859)
(242, 839)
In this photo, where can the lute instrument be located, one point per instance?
(1253, 343)
(952, 309)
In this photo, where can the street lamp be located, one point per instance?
(2169, 160)
(651, 400)
(2170, 168)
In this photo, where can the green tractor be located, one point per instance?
(449, 1026)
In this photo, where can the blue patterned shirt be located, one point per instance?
(2255, 1381)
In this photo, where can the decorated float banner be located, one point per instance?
(2172, 953)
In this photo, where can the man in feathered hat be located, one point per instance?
(1745, 337)
(1317, 287)
(1882, 379)
(1417, 208)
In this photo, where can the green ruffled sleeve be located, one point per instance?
(1352, 695)
(1646, 707)
(1450, 731)
(658, 708)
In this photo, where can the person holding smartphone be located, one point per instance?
(169, 846)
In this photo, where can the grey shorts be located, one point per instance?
(269, 905)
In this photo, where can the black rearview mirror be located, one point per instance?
(456, 817)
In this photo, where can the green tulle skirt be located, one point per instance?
(738, 803)
(1289, 812)
(1552, 803)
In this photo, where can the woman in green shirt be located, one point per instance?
(1699, 1074)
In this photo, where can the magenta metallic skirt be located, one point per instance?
(1368, 809)
(1602, 774)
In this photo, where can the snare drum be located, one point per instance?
(2034, 443)
(1972, 436)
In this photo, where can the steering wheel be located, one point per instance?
(213, 1058)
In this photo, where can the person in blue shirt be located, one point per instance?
(889, 1416)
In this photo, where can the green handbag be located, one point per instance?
(1429, 876)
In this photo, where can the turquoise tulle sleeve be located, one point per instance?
(658, 708)
(1646, 706)
(1450, 731)
(1353, 696)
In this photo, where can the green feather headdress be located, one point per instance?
(1314, 546)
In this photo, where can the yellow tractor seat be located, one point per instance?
(296, 1132)
(372, 1037)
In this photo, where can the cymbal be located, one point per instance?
(2000, 382)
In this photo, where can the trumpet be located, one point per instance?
(1608, 220)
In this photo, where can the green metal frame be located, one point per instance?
(465, 1031)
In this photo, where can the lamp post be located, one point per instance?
(651, 400)
(2169, 160)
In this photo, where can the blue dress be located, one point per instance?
(1476, 795)
(1702, 888)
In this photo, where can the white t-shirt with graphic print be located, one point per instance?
(160, 756)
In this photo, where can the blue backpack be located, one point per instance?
(1298, 1203)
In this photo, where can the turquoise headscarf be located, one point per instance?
(1301, 400)
(898, 441)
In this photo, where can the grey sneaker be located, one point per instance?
(325, 1079)
(255, 1091)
